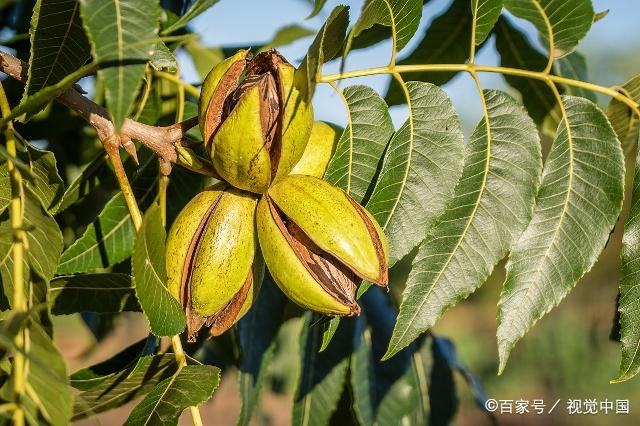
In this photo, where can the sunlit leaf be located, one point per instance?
(446, 41)
(492, 205)
(123, 36)
(163, 58)
(89, 377)
(562, 22)
(192, 385)
(419, 171)
(161, 309)
(48, 378)
(402, 16)
(329, 329)
(5, 188)
(44, 181)
(326, 46)
(109, 238)
(577, 206)
(59, 45)
(362, 143)
(126, 385)
(43, 237)
(485, 15)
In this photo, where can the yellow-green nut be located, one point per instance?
(318, 243)
(255, 119)
(214, 267)
(320, 148)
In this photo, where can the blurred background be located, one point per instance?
(567, 355)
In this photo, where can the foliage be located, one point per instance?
(83, 225)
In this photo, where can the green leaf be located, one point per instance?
(100, 293)
(574, 66)
(442, 387)
(373, 35)
(93, 175)
(123, 36)
(600, 15)
(183, 186)
(329, 330)
(37, 100)
(629, 290)
(89, 377)
(407, 401)
(4, 156)
(362, 143)
(517, 52)
(109, 239)
(564, 22)
(419, 171)
(43, 237)
(492, 205)
(577, 206)
(6, 266)
(5, 188)
(44, 181)
(287, 35)
(317, 7)
(485, 16)
(394, 391)
(105, 242)
(59, 45)
(155, 107)
(126, 385)
(446, 41)
(197, 7)
(48, 378)
(192, 385)
(322, 375)
(326, 46)
(163, 58)
(204, 57)
(257, 332)
(402, 16)
(363, 379)
(162, 310)
(623, 120)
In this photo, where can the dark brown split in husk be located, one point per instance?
(332, 274)
(262, 71)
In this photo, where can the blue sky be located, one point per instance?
(233, 22)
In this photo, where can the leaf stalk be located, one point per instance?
(536, 75)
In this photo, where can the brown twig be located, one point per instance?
(162, 140)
